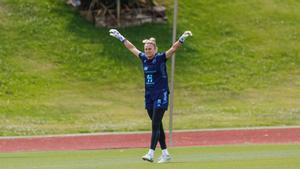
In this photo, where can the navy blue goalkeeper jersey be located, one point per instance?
(155, 73)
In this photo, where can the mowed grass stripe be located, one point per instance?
(221, 157)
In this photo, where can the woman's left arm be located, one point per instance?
(177, 44)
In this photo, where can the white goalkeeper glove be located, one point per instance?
(184, 36)
(115, 33)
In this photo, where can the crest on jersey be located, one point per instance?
(154, 61)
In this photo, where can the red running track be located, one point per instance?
(138, 140)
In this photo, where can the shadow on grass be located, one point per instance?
(112, 55)
(79, 26)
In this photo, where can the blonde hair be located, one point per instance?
(151, 41)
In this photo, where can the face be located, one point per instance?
(149, 50)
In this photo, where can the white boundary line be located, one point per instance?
(146, 132)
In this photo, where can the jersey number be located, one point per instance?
(149, 79)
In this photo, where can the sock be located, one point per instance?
(151, 152)
(165, 152)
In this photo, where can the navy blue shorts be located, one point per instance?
(161, 101)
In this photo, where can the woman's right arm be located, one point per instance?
(115, 33)
(132, 48)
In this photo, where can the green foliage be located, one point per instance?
(60, 74)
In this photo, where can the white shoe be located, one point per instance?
(164, 159)
(148, 157)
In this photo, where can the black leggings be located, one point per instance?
(158, 133)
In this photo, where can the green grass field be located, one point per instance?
(59, 74)
(219, 157)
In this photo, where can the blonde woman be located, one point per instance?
(156, 87)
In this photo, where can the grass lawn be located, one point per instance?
(219, 157)
(59, 74)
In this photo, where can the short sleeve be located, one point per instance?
(162, 56)
(142, 56)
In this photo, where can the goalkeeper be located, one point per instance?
(156, 87)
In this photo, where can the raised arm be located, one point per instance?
(115, 33)
(178, 43)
